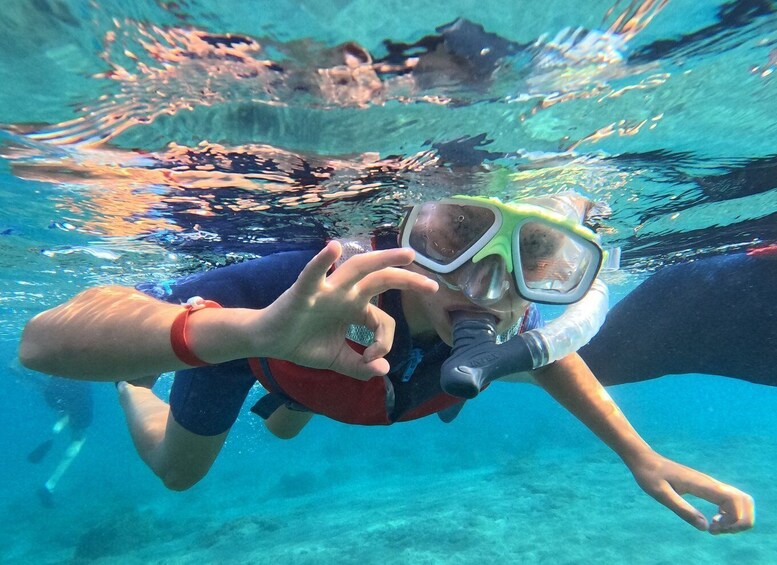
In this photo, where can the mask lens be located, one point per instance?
(554, 260)
(443, 232)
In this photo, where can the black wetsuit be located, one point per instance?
(73, 398)
(717, 316)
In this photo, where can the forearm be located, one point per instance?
(117, 333)
(571, 384)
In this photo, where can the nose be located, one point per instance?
(485, 282)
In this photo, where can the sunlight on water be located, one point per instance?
(190, 142)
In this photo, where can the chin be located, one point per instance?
(445, 332)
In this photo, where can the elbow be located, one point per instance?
(32, 353)
(27, 356)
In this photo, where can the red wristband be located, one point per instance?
(178, 339)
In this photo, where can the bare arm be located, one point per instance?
(115, 333)
(110, 333)
(573, 385)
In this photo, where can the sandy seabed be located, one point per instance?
(551, 505)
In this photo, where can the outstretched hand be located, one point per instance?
(307, 324)
(667, 481)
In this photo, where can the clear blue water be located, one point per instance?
(149, 139)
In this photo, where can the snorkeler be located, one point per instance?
(713, 316)
(72, 401)
(476, 274)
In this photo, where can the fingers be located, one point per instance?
(374, 272)
(315, 271)
(371, 362)
(737, 513)
(726, 524)
(677, 504)
(383, 326)
(392, 278)
(349, 362)
(737, 508)
(358, 267)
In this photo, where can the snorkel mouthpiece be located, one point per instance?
(476, 359)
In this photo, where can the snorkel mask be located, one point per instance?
(472, 243)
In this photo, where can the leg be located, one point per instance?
(60, 425)
(714, 316)
(37, 454)
(177, 456)
(286, 423)
(76, 443)
(70, 454)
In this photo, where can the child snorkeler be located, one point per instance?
(464, 266)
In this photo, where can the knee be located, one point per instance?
(180, 477)
(180, 481)
(286, 424)
(281, 431)
(182, 459)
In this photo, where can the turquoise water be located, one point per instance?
(140, 141)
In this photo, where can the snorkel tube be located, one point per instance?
(476, 359)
